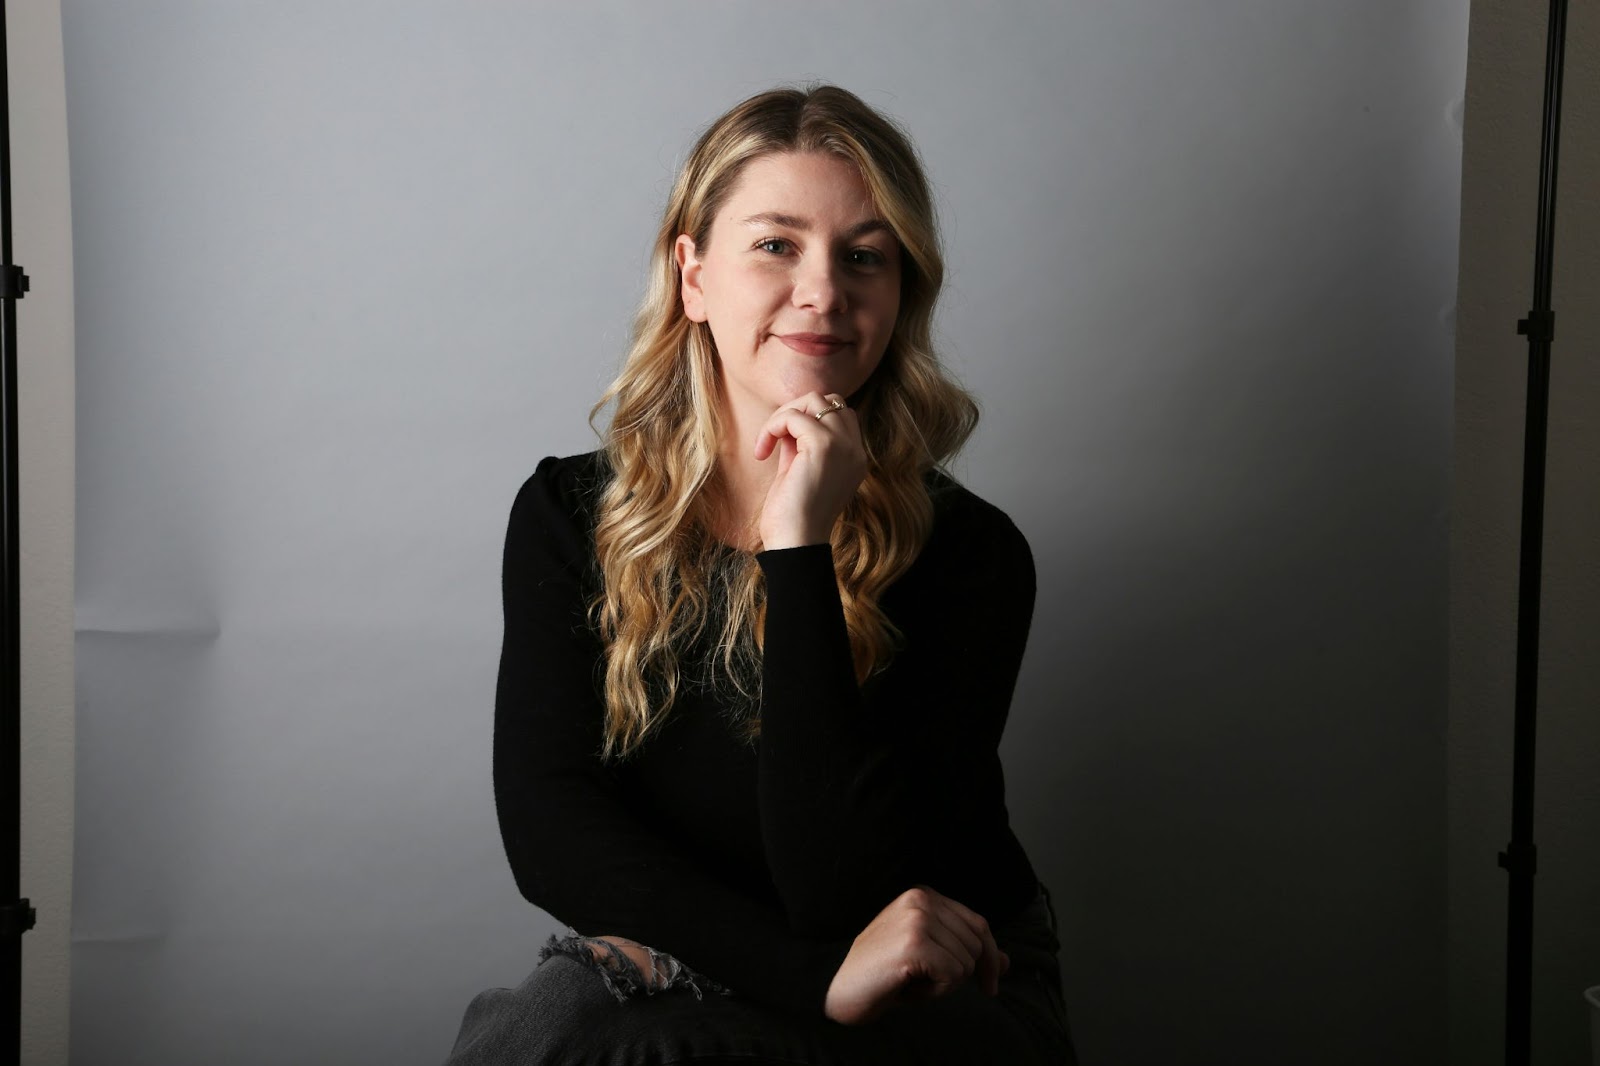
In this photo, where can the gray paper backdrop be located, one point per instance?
(345, 271)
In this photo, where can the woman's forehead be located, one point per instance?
(802, 191)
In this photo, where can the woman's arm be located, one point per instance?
(575, 849)
(866, 791)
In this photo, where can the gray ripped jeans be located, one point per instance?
(575, 1008)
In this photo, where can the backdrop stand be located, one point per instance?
(1519, 858)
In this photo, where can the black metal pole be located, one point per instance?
(1519, 858)
(16, 916)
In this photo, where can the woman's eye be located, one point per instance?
(856, 257)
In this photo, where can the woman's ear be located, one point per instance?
(694, 299)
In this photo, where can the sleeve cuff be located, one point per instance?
(781, 559)
(803, 574)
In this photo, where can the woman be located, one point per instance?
(759, 652)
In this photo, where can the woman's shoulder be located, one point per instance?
(965, 521)
(560, 499)
(573, 477)
(975, 555)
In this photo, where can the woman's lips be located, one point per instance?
(813, 343)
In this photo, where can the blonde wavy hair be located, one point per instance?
(667, 584)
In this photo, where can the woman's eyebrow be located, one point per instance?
(777, 218)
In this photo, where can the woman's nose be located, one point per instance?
(817, 286)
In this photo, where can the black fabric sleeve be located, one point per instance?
(866, 791)
(574, 847)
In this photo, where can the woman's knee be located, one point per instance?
(562, 1013)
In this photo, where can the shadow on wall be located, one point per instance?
(1237, 803)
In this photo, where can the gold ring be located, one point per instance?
(833, 405)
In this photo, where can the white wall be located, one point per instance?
(346, 270)
(42, 245)
(1499, 204)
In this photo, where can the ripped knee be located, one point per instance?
(622, 976)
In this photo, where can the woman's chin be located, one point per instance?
(796, 384)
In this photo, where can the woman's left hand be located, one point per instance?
(821, 463)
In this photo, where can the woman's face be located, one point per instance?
(800, 284)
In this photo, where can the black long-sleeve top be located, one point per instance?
(757, 864)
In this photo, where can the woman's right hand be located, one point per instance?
(922, 945)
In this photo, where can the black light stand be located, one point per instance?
(16, 916)
(1539, 327)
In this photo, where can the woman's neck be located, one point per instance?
(741, 483)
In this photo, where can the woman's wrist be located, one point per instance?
(796, 536)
